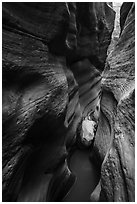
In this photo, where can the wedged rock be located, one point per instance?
(88, 131)
(117, 105)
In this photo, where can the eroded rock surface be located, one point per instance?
(115, 146)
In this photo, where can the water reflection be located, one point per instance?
(87, 177)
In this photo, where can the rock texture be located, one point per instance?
(116, 31)
(35, 99)
(53, 57)
(115, 147)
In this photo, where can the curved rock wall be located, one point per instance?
(115, 147)
(35, 94)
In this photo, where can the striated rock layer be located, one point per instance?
(115, 147)
(53, 56)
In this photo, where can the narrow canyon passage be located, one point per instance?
(36, 179)
(68, 101)
(88, 176)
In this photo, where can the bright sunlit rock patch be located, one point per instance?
(88, 131)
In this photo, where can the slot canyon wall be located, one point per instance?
(114, 141)
(55, 74)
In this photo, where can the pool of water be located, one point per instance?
(87, 177)
(36, 182)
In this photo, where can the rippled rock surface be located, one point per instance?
(53, 58)
(115, 146)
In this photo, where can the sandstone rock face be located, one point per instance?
(35, 100)
(53, 56)
(125, 8)
(115, 147)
